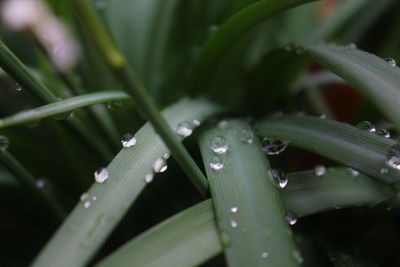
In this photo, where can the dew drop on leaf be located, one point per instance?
(391, 62)
(218, 145)
(184, 129)
(383, 133)
(246, 136)
(234, 209)
(366, 126)
(101, 175)
(291, 218)
(234, 224)
(320, 170)
(384, 171)
(264, 254)
(393, 157)
(272, 146)
(160, 165)
(354, 172)
(279, 178)
(18, 87)
(128, 140)
(148, 178)
(216, 163)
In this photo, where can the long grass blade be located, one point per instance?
(191, 237)
(86, 229)
(339, 142)
(20, 74)
(135, 87)
(248, 208)
(233, 28)
(62, 107)
(372, 76)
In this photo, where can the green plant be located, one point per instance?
(220, 71)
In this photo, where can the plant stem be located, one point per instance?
(117, 63)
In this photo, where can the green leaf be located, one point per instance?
(191, 237)
(339, 142)
(20, 74)
(372, 76)
(62, 107)
(116, 62)
(248, 208)
(86, 229)
(233, 28)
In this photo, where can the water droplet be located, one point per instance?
(184, 129)
(279, 178)
(148, 178)
(291, 218)
(166, 155)
(219, 145)
(351, 46)
(320, 170)
(160, 165)
(101, 175)
(4, 142)
(391, 62)
(366, 126)
(393, 157)
(234, 209)
(128, 140)
(216, 163)
(384, 170)
(223, 124)
(41, 183)
(196, 122)
(354, 172)
(234, 224)
(272, 146)
(264, 254)
(383, 132)
(297, 256)
(18, 87)
(246, 136)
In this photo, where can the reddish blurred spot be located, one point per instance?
(325, 8)
(344, 101)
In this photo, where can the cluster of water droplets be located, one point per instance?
(393, 154)
(87, 200)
